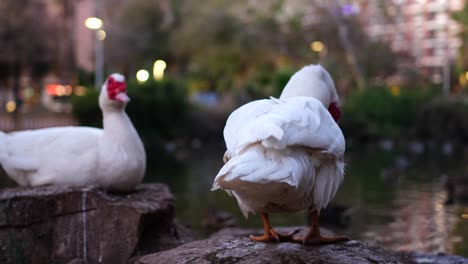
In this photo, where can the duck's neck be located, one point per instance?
(320, 94)
(315, 88)
(116, 124)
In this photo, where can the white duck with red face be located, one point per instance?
(113, 157)
(286, 154)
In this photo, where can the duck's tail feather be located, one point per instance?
(258, 166)
(329, 176)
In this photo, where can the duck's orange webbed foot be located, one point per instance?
(313, 237)
(270, 235)
(273, 236)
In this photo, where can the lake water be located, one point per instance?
(393, 198)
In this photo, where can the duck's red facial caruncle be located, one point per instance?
(116, 90)
(335, 111)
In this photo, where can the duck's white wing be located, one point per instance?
(239, 119)
(25, 154)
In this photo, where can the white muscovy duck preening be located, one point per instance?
(286, 154)
(113, 157)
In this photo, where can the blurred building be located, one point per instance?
(76, 39)
(420, 28)
(84, 48)
(84, 39)
(71, 48)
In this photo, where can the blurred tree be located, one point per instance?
(462, 18)
(380, 61)
(336, 15)
(139, 33)
(225, 42)
(214, 42)
(351, 55)
(26, 43)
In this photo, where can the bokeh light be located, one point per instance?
(142, 76)
(93, 23)
(317, 46)
(158, 69)
(10, 106)
(101, 34)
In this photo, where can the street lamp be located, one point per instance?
(96, 24)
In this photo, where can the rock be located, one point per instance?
(86, 225)
(246, 232)
(215, 219)
(226, 247)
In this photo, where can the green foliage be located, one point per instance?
(85, 78)
(157, 109)
(378, 60)
(280, 79)
(226, 43)
(461, 230)
(142, 30)
(220, 52)
(462, 18)
(86, 109)
(268, 83)
(442, 120)
(375, 111)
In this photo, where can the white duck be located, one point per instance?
(286, 155)
(113, 158)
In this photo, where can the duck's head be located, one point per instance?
(314, 81)
(114, 92)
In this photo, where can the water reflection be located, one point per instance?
(420, 221)
(391, 203)
(404, 207)
(395, 204)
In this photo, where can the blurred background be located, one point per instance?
(401, 68)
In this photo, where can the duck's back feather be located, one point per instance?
(299, 121)
(34, 155)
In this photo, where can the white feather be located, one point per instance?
(118, 77)
(113, 157)
(311, 81)
(285, 154)
(267, 180)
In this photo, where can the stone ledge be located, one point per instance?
(232, 246)
(56, 224)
